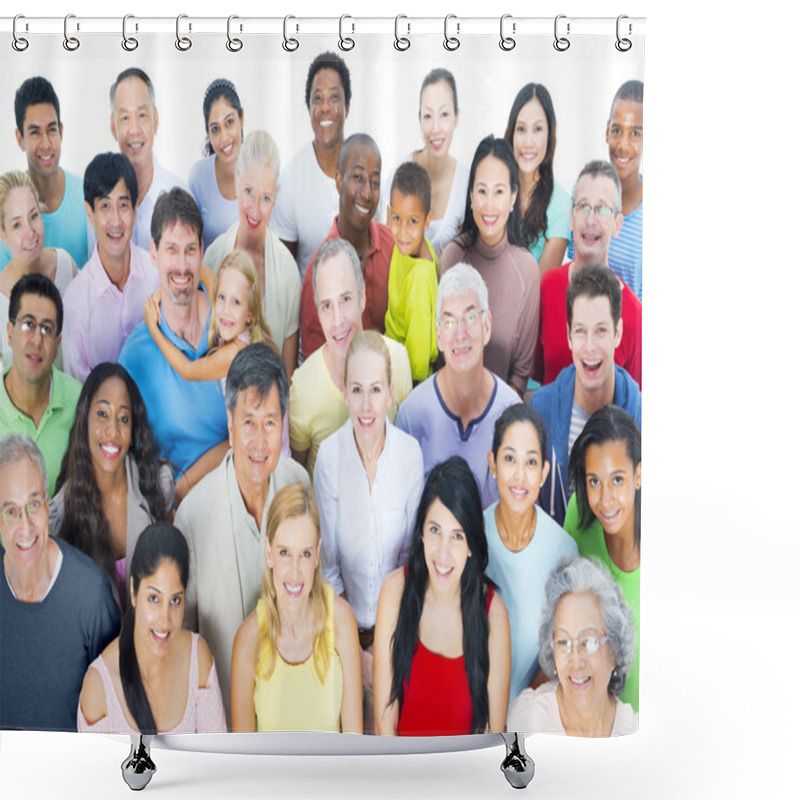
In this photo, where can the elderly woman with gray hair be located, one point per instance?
(586, 642)
(257, 171)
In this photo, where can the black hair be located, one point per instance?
(41, 285)
(158, 542)
(519, 412)
(630, 90)
(440, 75)
(31, 92)
(453, 483)
(501, 149)
(332, 61)
(176, 205)
(353, 139)
(595, 280)
(85, 524)
(103, 173)
(412, 179)
(608, 424)
(534, 223)
(219, 89)
(259, 367)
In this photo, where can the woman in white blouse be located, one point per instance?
(368, 479)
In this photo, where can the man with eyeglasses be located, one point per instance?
(453, 412)
(56, 604)
(36, 399)
(595, 219)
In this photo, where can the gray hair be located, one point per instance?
(332, 248)
(15, 446)
(600, 169)
(578, 574)
(259, 367)
(258, 149)
(458, 279)
(132, 72)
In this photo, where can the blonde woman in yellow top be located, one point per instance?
(296, 659)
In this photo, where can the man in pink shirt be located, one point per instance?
(595, 219)
(358, 181)
(105, 301)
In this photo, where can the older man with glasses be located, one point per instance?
(36, 399)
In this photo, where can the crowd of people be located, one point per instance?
(329, 448)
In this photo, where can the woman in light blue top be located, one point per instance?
(212, 180)
(543, 206)
(525, 544)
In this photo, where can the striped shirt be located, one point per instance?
(625, 252)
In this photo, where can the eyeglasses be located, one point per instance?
(584, 209)
(28, 324)
(588, 645)
(468, 320)
(12, 514)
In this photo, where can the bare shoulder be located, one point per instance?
(497, 610)
(248, 635)
(392, 589)
(344, 620)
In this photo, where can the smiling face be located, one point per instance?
(367, 394)
(408, 222)
(257, 189)
(178, 258)
(359, 187)
(25, 538)
(492, 199)
(530, 138)
(232, 304)
(112, 217)
(592, 340)
(23, 229)
(592, 235)
(339, 303)
(41, 139)
(327, 108)
(293, 557)
(110, 425)
(463, 332)
(445, 546)
(520, 467)
(33, 353)
(625, 137)
(437, 118)
(583, 678)
(134, 122)
(611, 485)
(224, 131)
(159, 607)
(255, 429)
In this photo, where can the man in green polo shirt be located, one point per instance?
(35, 398)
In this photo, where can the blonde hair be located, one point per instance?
(369, 342)
(259, 331)
(294, 500)
(14, 180)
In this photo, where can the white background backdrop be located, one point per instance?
(719, 686)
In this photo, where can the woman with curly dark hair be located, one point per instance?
(111, 485)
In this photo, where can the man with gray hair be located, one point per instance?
(453, 412)
(134, 124)
(224, 517)
(56, 604)
(316, 400)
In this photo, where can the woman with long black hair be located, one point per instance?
(442, 645)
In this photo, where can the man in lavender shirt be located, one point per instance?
(105, 301)
(453, 412)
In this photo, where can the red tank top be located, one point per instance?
(436, 698)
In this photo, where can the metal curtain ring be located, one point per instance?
(561, 43)
(290, 44)
(19, 43)
(129, 43)
(507, 42)
(451, 42)
(234, 44)
(401, 43)
(623, 45)
(183, 43)
(345, 42)
(71, 43)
